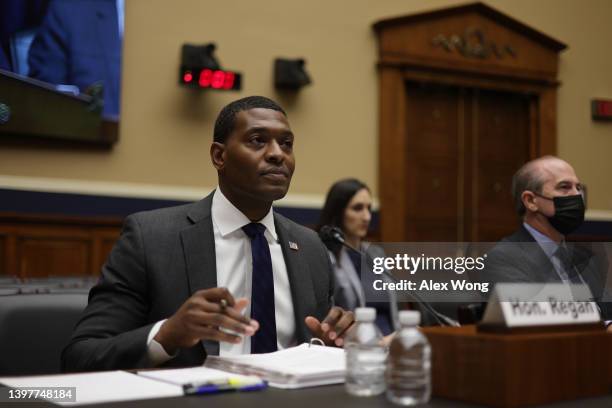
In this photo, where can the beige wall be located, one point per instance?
(166, 130)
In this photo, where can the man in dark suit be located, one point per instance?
(549, 198)
(177, 282)
(4, 64)
(79, 43)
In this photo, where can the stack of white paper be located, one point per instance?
(296, 367)
(106, 386)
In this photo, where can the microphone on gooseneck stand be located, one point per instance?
(333, 237)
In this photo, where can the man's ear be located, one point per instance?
(217, 155)
(528, 199)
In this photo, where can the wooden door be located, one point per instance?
(453, 183)
(462, 147)
(499, 146)
(434, 122)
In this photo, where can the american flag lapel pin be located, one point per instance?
(293, 246)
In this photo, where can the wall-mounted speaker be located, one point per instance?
(290, 73)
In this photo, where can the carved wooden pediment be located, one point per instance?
(472, 38)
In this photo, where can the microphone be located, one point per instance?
(332, 236)
(333, 239)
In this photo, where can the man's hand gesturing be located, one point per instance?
(202, 316)
(333, 328)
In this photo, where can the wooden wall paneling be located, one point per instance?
(52, 256)
(476, 80)
(468, 186)
(547, 120)
(392, 176)
(433, 117)
(518, 370)
(534, 126)
(3, 257)
(44, 250)
(51, 245)
(463, 146)
(502, 137)
(470, 180)
(472, 38)
(11, 255)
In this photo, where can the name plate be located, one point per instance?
(514, 305)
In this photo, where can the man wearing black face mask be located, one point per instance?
(548, 194)
(549, 198)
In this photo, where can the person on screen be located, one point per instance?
(4, 63)
(348, 206)
(79, 43)
(225, 275)
(16, 18)
(548, 197)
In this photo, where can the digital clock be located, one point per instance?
(207, 78)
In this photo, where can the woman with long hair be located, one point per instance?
(348, 206)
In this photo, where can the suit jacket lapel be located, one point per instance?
(199, 251)
(540, 266)
(590, 268)
(300, 281)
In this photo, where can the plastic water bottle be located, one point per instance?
(365, 356)
(408, 372)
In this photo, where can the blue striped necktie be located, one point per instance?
(262, 292)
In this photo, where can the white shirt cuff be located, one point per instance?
(155, 351)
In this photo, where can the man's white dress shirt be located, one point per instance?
(235, 270)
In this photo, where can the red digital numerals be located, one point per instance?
(215, 79)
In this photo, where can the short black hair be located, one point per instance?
(226, 120)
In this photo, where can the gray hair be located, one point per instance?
(530, 177)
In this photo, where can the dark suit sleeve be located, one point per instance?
(504, 264)
(4, 64)
(592, 262)
(48, 55)
(113, 330)
(330, 275)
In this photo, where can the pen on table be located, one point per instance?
(213, 386)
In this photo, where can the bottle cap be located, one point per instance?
(365, 314)
(409, 317)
